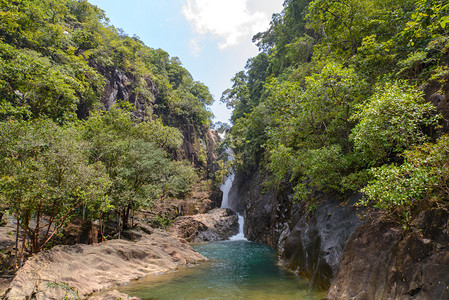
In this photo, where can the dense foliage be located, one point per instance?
(52, 52)
(67, 152)
(334, 101)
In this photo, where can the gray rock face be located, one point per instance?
(120, 86)
(310, 243)
(266, 213)
(369, 260)
(381, 261)
(85, 269)
(216, 225)
(314, 247)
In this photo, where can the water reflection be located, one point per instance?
(237, 270)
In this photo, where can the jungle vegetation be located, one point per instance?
(62, 155)
(337, 101)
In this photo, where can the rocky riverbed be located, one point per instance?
(85, 269)
(82, 270)
(216, 225)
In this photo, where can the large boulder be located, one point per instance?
(382, 261)
(85, 269)
(216, 225)
(314, 242)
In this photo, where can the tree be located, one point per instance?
(237, 97)
(134, 158)
(45, 171)
(340, 22)
(392, 120)
(308, 133)
(421, 181)
(31, 82)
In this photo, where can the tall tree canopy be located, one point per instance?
(337, 90)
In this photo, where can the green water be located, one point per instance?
(236, 270)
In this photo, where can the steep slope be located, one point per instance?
(340, 121)
(67, 60)
(95, 124)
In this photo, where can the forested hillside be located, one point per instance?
(93, 123)
(341, 149)
(349, 96)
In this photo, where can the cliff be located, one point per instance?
(382, 261)
(199, 141)
(308, 242)
(342, 249)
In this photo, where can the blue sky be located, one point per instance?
(211, 37)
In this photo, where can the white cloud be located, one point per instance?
(228, 20)
(195, 48)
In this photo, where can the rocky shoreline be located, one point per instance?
(81, 270)
(85, 269)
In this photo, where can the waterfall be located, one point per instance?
(240, 235)
(225, 188)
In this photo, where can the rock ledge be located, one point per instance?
(216, 225)
(85, 269)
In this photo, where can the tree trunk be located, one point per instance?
(126, 211)
(101, 226)
(35, 235)
(118, 218)
(16, 258)
(132, 219)
(25, 233)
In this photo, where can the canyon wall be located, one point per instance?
(337, 248)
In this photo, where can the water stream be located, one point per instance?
(225, 188)
(237, 269)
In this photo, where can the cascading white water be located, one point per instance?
(225, 188)
(240, 235)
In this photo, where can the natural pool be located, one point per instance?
(237, 270)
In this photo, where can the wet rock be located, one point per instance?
(314, 247)
(381, 261)
(266, 212)
(113, 295)
(331, 246)
(308, 242)
(85, 269)
(218, 224)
